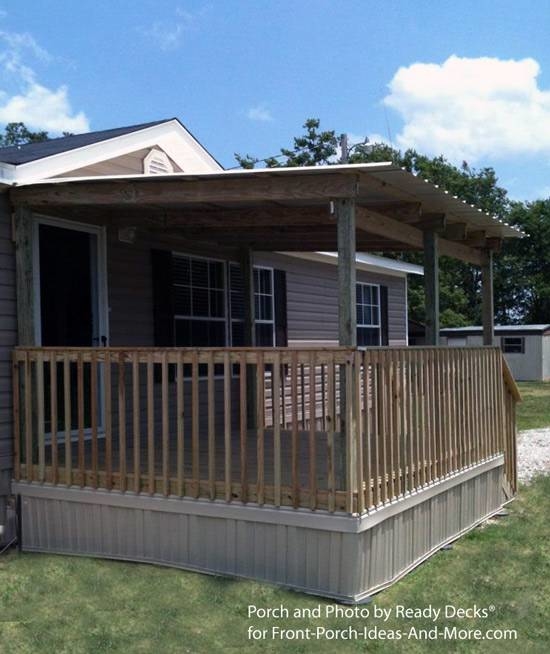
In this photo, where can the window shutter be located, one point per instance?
(384, 340)
(279, 287)
(163, 298)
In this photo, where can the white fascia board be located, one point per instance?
(117, 146)
(367, 263)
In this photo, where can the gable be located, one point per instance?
(133, 163)
(118, 156)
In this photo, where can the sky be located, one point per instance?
(469, 80)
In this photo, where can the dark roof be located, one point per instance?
(20, 154)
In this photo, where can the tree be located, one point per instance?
(19, 134)
(313, 148)
(522, 280)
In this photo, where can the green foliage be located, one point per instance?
(19, 134)
(314, 148)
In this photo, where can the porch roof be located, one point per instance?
(280, 208)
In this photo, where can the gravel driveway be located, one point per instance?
(533, 453)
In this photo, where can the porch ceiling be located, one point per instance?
(278, 209)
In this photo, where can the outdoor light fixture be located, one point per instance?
(127, 235)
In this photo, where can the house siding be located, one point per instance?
(8, 339)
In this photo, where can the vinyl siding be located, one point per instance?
(312, 298)
(8, 332)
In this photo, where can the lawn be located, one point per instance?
(64, 605)
(534, 410)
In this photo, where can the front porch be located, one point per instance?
(329, 469)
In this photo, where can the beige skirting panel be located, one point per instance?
(343, 557)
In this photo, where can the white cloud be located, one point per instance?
(260, 113)
(470, 108)
(168, 33)
(23, 98)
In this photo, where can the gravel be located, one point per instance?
(533, 453)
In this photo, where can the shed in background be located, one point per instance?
(525, 347)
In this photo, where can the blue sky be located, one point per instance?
(470, 80)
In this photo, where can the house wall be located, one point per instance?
(8, 337)
(525, 367)
(312, 299)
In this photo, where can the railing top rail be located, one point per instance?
(509, 380)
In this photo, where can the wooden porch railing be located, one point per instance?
(334, 428)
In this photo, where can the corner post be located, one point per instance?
(346, 458)
(487, 299)
(431, 286)
(347, 299)
(24, 275)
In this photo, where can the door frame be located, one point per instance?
(100, 263)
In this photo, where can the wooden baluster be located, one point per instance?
(260, 421)
(227, 424)
(331, 422)
(53, 418)
(295, 441)
(165, 426)
(312, 435)
(151, 423)
(67, 410)
(243, 414)
(358, 432)
(276, 400)
(195, 460)
(94, 417)
(136, 409)
(180, 420)
(211, 399)
(39, 370)
(121, 370)
(80, 418)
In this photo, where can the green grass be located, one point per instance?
(66, 605)
(534, 410)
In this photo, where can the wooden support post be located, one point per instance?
(23, 233)
(347, 318)
(431, 286)
(347, 336)
(246, 262)
(487, 299)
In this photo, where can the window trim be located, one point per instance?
(224, 319)
(377, 326)
(256, 320)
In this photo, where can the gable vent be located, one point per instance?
(157, 163)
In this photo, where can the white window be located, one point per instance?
(200, 302)
(157, 163)
(264, 311)
(368, 314)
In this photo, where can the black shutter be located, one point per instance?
(384, 315)
(279, 284)
(163, 298)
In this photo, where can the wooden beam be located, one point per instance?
(24, 276)
(487, 299)
(476, 239)
(182, 192)
(394, 230)
(431, 286)
(347, 319)
(435, 222)
(455, 231)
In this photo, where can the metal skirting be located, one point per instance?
(344, 557)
